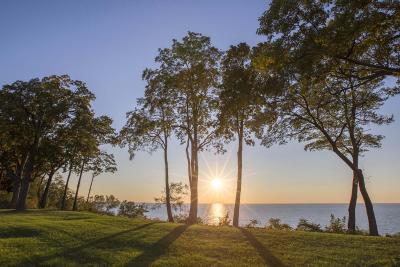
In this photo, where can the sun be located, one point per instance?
(216, 183)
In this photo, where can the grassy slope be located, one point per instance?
(71, 238)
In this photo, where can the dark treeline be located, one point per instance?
(319, 78)
(47, 126)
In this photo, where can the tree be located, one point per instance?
(149, 126)
(335, 113)
(36, 109)
(312, 37)
(98, 131)
(177, 192)
(102, 163)
(192, 65)
(363, 33)
(237, 106)
(77, 131)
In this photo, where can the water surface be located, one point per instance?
(387, 215)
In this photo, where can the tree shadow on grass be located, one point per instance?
(75, 253)
(265, 254)
(159, 248)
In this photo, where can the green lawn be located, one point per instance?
(77, 238)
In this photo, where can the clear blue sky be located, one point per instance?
(107, 44)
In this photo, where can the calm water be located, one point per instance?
(387, 215)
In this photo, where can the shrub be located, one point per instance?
(224, 220)
(131, 209)
(336, 225)
(305, 225)
(253, 223)
(275, 224)
(103, 205)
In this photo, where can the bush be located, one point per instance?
(131, 209)
(253, 223)
(336, 225)
(305, 225)
(103, 205)
(224, 220)
(275, 224)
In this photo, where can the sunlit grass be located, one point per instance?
(70, 238)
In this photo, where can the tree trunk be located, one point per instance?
(75, 207)
(167, 192)
(373, 227)
(351, 224)
(66, 187)
(188, 162)
(39, 190)
(193, 187)
(25, 183)
(90, 189)
(15, 194)
(43, 200)
(239, 178)
(1, 177)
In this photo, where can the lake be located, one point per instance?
(387, 215)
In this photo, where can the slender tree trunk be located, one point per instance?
(90, 189)
(25, 183)
(167, 192)
(15, 194)
(1, 177)
(39, 190)
(351, 224)
(43, 200)
(194, 185)
(66, 187)
(373, 227)
(17, 181)
(75, 206)
(188, 162)
(239, 177)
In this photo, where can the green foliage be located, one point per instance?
(336, 225)
(307, 226)
(275, 224)
(224, 220)
(131, 209)
(103, 204)
(253, 223)
(177, 193)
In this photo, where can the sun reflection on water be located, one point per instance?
(215, 212)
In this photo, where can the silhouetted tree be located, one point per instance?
(238, 103)
(311, 37)
(149, 126)
(192, 65)
(36, 109)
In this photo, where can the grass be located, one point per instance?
(40, 238)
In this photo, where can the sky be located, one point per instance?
(108, 44)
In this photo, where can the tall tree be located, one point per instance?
(237, 106)
(363, 33)
(335, 113)
(98, 131)
(104, 162)
(192, 65)
(149, 126)
(311, 37)
(38, 107)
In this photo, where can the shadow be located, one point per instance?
(265, 254)
(19, 232)
(75, 251)
(158, 249)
